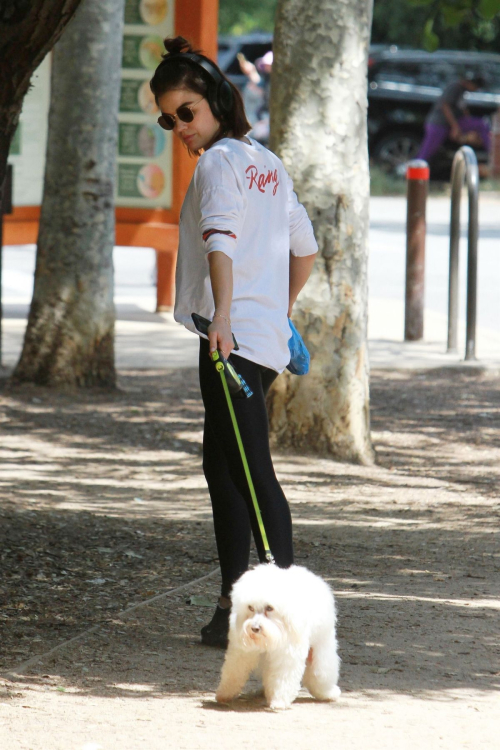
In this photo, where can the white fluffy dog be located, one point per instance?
(283, 623)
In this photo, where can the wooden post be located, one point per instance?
(417, 176)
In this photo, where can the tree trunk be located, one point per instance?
(318, 128)
(70, 334)
(28, 30)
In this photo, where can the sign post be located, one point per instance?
(144, 164)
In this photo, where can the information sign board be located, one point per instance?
(27, 151)
(144, 165)
(144, 159)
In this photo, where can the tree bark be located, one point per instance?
(318, 128)
(28, 30)
(70, 334)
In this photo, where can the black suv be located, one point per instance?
(403, 84)
(402, 87)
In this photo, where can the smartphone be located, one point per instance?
(202, 324)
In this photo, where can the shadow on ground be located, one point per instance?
(103, 506)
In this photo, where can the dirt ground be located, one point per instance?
(103, 508)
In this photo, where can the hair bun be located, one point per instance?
(176, 46)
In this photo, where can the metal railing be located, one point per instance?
(464, 169)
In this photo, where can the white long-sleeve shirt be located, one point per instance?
(243, 190)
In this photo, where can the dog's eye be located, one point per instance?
(269, 608)
(251, 608)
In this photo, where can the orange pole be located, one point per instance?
(197, 21)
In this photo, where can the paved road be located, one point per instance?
(387, 261)
(145, 339)
(386, 283)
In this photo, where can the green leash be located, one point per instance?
(219, 366)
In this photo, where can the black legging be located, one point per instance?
(234, 516)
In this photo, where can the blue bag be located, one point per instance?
(299, 356)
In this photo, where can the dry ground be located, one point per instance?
(103, 507)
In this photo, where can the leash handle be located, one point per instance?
(219, 366)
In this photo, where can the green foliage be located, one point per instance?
(244, 16)
(448, 24)
(382, 183)
(489, 8)
(395, 22)
(478, 16)
(430, 39)
(453, 16)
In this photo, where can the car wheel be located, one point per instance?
(395, 149)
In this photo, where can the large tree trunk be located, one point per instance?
(318, 128)
(70, 334)
(28, 30)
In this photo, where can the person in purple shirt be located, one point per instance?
(449, 117)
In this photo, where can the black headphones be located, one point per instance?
(220, 95)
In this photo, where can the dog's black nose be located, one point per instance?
(255, 629)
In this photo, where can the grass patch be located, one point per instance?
(383, 184)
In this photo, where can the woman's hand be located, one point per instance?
(220, 336)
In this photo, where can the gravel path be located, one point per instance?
(103, 507)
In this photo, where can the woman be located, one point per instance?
(246, 248)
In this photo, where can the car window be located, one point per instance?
(490, 70)
(392, 71)
(491, 73)
(439, 74)
(436, 73)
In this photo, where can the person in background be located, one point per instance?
(256, 94)
(450, 118)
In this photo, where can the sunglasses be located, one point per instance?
(184, 114)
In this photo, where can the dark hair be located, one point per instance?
(176, 72)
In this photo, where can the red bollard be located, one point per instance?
(417, 176)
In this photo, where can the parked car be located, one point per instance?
(253, 46)
(403, 84)
(402, 87)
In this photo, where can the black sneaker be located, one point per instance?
(216, 632)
